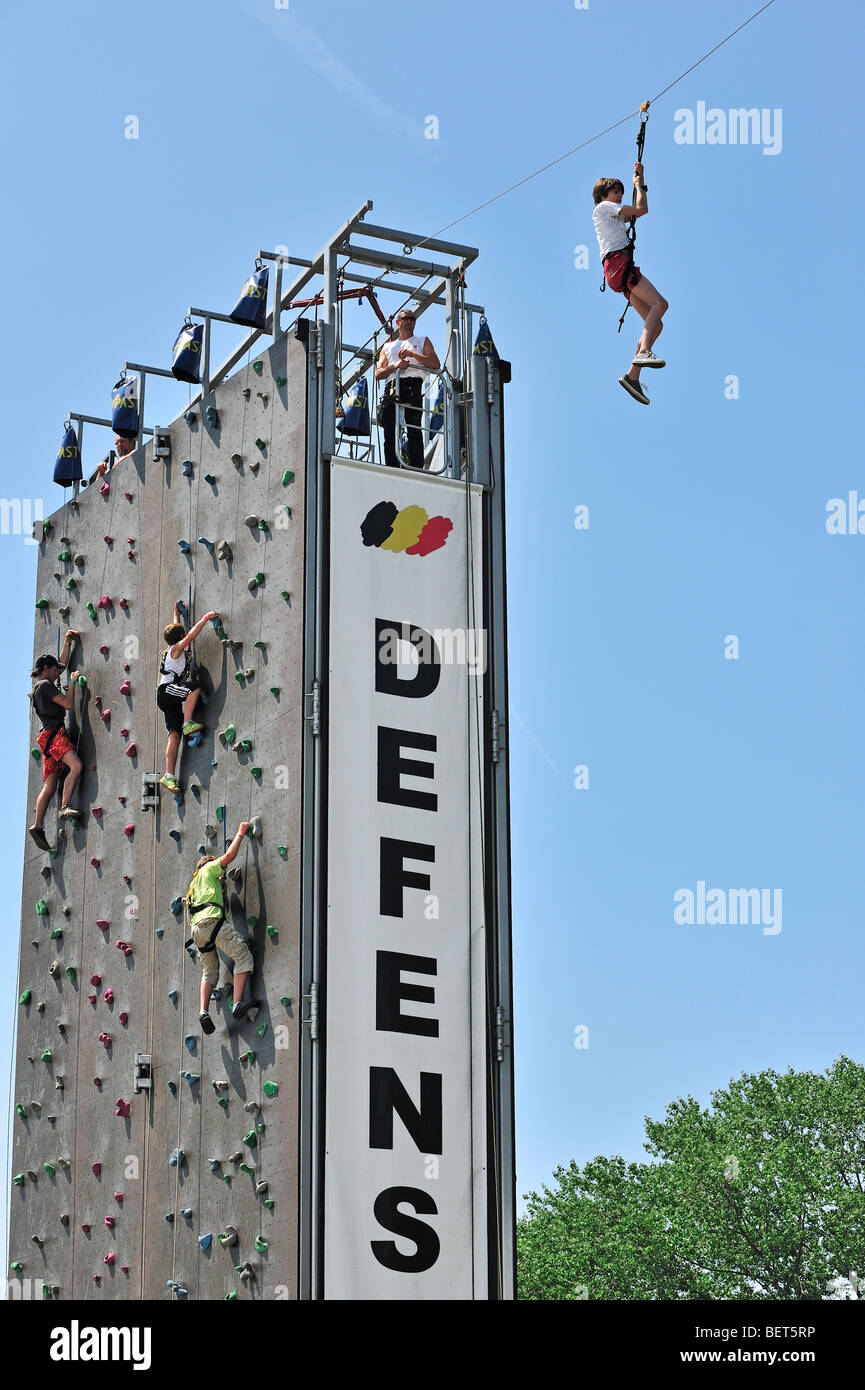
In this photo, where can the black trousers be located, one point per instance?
(411, 396)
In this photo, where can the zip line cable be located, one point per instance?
(558, 160)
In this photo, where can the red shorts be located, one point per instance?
(53, 746)
(615, 269)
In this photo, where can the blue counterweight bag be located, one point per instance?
(67, 469)
(251, 307)
(437, 414)
(484, 345)
(186, 353)
(124, 407)
(356, 419)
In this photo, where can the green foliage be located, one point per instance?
(761, 1196)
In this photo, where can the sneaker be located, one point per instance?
(38, 834)
(634, 389)
(67, 811)
(191, 727)
(207, 1024)
(241, 1010)
(170, 781)
(648, 359)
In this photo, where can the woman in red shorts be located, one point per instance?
(58, 754)
(610, 218)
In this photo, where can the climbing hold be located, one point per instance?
(176, 905)
(172, 1086)
(178, 1290)
(255, 772)
(104, 652)
(169, 1216)
(228, 1237)
(186, 469)
(118, 1197)
(223, 551)
(105, 1039)
(280, 380)
(53, 971)
(274, 690)
(283, 593)
(230, 734)
(21, 1111)
(251, 521)
(122, 1107)
(261, 1187)
(190, 417)
(35, 753)
(245, 1168)
(202, 540)
(250, 1056)
(109, 995)
(211, 415)
(172, 994)
(282, 851)
(18, 1180)
(64, 555)
(124, 604)
(230, 1296)
(103, 602)
(183, 547)
(41, 908)
(261, 1029)
(271, 1088)
(190, 1077)
(206, 1241)
(191, 1041)
(125, 687)
(91, 610)
(129, 829)
(49, 1169)
(245, 744)
(175, 835)
(16, 1266)
(26, 997)
(214, 1164)
(64, 1218)
(272, 933)
(123, 1018)
(238, 676)
(220, 814)
(209, 478)
(109, 1258)
(128, 496)
(96, 1169)
(238, 1155)
(260, 1245)
(95, 862)
(186, 1213)
(268, 1202)
(103, 923)
(257, 367)
(131, 751)
(176, 1159)
(109, 1221)
(287, 477)
(249, 1138)
(97, 1080)
(223, 1102)
(42, 603)
(256, 580)
(263, 526)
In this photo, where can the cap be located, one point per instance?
(43, 661)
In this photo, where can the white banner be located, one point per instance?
(404, 1000)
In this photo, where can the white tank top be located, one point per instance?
(393, 350)
(174, 667)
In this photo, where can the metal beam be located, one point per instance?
(467, 254)
(367, 255)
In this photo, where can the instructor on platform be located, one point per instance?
(412, 357)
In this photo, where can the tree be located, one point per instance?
(760, 1196)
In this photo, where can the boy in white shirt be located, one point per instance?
(610, 218)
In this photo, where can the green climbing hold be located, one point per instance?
(41, 908)
(262, 646)
(26, 996)
(35, 753)
(46, 1292)
(230, 733)
(230, 1296)
(220, 813)
(82, 680)
(261, 1029)
(226, 1178)
(16, 1266)
(239, 677)
(257, 367)
(287, 477)
(56, 934)
(245, 1168)
(282, 851)
(64, 555)
(274, 690)
(271, 1088)
(272, 933)
(280, 380)
(246, 744)
(250, 1056)
(223, 1102)
(250, 1139)
(49, 1169)
(92, 611)
(53, 853)
(255, 772)
(260, 444)
(21, 1112)
(70, 973)
(262, 525)
(18, 1180)
(46, 1055)
(252, 922)
(268, 1202)
(260, 1245)
(287, 511)
(285, 594)
(285, 1001)
(42, 603)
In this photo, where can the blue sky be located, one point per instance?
(263, 127)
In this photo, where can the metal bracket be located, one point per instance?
(500, 1033)
(315, 717)
(496, 746)
(161, 442)
(149, 796)
(142, 1080)
(312, 1022)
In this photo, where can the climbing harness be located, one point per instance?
(183, 686)
(632, 229)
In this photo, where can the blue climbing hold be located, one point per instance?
(186, 1213)
(172, 994)
(183, 547)
(214, 1164)
(176, 1159)
(209, 478)
(177, 1289)
(175, 835)
(190, 1041)
(186, 469)
(194, 741)
(172, 1086)
(190, 1077)
(211, 415)
(169, 1216)
(206, 1241)
(202, 540)
(176, 905)
(160, 932)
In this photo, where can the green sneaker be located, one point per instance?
(170, 782)
(191, 727)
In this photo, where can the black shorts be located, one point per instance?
(172, 708)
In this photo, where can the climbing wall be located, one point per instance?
(123, 1190)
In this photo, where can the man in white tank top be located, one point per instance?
(412, 357)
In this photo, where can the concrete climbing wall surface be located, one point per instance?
(113, 1205)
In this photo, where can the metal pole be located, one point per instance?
(452, 364)
(142, 380)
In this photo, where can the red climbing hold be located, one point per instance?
(105, 716)
(96, 980)
(97, 1278)
(97, 811)
(96, 1169)
(109, 1258)
(97, 1080)
(130, 540)
(109, 1221)
(92, 998)
(123, 1107)
(108, 995)
(104, 651)
(122, 800)
(125, 687)
(126, 879)
(124, 946)
(105, 1039)
(128, 496)
(124, 603)
(124, 733)
(103, 924)
(118, 1197)
(130, 751)
(129, 829)
(103, 601)
(109, 540)
(95, 862)
(104, 489)
(86, 1229)
(123, 1016)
